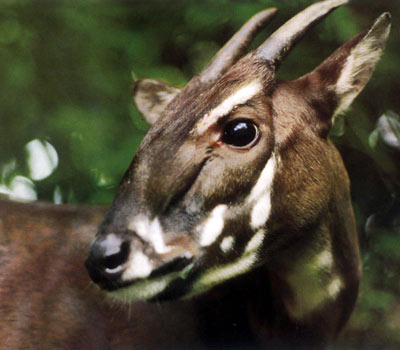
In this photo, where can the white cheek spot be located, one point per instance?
(255, 242)
(139, 267)
(213, 226)
(260, 195)
(240, 96)
(151, 232)
(227, 244)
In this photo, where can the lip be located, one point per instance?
(145, 289)
(175, 265)
(170, 286)
(178, 267)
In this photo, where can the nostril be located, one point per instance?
(106, 259)
(114, 259)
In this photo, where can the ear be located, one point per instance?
(151, 97)
(342, 76)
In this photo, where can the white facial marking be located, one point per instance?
(222, 273)
(240, 96)
(218, 274)
(214, 225)
(260, 195)
(227, 244)
(151, 232)
(255, 242)
(260, 212)
(139, 267)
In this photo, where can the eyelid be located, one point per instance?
(242, 118)
(223, 119)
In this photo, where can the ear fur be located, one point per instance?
(344, 74)
(151, 97)
(361, 62)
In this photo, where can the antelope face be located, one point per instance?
(231, 161)
(191, 209)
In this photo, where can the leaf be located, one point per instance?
(388, 127)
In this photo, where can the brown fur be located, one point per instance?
(47, 300)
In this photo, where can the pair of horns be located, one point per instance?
(276, 47)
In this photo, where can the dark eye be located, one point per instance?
(240, 133)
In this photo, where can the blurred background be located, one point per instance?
(68, 129)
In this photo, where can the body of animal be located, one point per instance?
(234, 219)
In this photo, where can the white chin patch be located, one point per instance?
(144, 290)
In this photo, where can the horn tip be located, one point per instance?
(266, 14)
(332, 3)
(271, 10)
(338, 2)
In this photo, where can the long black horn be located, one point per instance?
(279, 44)
(236, 46)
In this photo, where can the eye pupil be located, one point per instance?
(239, 133)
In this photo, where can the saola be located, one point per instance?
(235, 211)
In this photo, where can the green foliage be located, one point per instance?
(66, 70)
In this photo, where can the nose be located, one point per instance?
(106, 259)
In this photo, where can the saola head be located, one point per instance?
(236, 165)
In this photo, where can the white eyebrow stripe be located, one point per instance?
(240, 96)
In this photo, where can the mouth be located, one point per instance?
(167, 282)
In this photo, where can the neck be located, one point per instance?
(302, 291)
